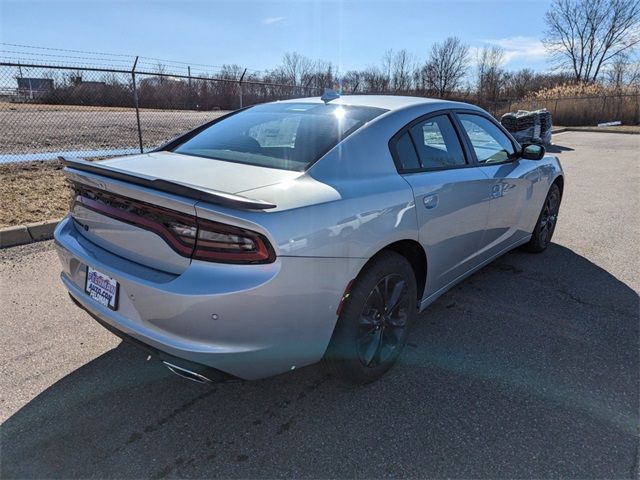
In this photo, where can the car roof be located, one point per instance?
(388, 102)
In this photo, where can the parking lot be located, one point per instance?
(529, 368)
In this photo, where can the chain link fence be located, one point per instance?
(47, 111)
(578, 111)
(52, 110)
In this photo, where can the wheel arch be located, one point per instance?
(415, 254)
(559, 180)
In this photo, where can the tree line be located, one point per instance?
(589, 41)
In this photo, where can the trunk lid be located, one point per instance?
(113, 198)
(206, 173)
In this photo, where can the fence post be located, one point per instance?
(240, 86)
(135, 102)
(305, 91)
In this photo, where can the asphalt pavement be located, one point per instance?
(529, 368)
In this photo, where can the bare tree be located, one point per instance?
(321, 76)
(387, 66)
(397, 69)
(519, 84)
(586, 35)
(523, 82)
(375, 80)
(624, 72)
(296, 68)
(447, 66)
(491, 75)
(402, 68)
(230, 72)
(353, 81)
(161, 70)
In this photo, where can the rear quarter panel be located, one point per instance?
(351, 203)
(546, 171)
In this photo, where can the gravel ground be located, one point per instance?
(528, 369)
(29, 128)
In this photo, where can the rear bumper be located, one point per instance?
(209, 373)
(268, 318)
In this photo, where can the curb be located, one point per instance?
(593, 130)
(31, 232)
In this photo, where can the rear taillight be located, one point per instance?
(218, 242)
(185, 234)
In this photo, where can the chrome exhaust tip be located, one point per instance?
(188, 374)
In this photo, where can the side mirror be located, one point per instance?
(532, 151)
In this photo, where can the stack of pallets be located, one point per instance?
(529, 127)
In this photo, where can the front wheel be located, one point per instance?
(374, 322)
(546, 225)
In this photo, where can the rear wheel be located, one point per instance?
(541, 237)
(374, 322)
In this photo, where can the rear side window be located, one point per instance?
(437, 143)
(407, 153)
(490, 143)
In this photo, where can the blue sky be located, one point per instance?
(255, 34)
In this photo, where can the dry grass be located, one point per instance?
(586, 104)
(32, 192)
(572, 90)
(587, 111)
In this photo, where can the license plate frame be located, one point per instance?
(101, 288)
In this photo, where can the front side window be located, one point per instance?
(288, 136)
(490, 143)
(437, 143)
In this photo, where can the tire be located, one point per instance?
(368, 339)
(546, 223)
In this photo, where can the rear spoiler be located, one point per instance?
(182, 189)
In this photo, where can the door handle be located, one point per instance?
(430, 201)
(496, 190)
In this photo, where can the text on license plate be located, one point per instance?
(102, 288)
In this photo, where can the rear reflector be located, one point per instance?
(187, 235)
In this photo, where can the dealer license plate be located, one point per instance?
(102, 288)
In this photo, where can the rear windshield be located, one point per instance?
(288, 136)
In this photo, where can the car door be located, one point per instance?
(509, 180)
(452, 202)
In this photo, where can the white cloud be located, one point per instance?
(520, 48)
(272, 20)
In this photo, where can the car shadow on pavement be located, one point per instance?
(558, 149)
(528, 368)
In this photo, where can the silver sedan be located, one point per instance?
(295, 231)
